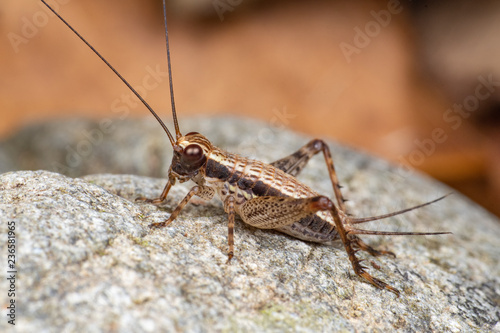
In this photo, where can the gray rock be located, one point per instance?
(88, 262)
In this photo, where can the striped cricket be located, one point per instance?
(266, 196)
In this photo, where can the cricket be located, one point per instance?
(265, 196)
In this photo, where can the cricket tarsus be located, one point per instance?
(267, 196)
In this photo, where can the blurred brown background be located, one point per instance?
(418, 84)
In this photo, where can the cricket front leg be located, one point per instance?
(294, 163)
(161, 198)
(203, 192)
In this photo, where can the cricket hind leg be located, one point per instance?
(268, 212)
(294, 163)
(274, 212)
(352, 245)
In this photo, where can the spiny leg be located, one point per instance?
(333, 175)
(275, 212)
(294, 163)
(160, 199)
(348, 241)
(229, 208)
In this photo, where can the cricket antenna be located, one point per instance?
(356, 231)
(170, 137)
(174, 114)
(380, 217)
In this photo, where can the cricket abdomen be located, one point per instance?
(314, 228)
(244, 179)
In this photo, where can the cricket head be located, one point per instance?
(190, 155)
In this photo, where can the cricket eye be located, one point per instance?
(193, 155)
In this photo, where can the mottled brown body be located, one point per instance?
(266, 196)
(240, 179)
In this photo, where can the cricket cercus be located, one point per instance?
(266, 196)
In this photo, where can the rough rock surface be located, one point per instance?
(88, 262)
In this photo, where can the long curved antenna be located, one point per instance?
(170, 137)
(174, 114)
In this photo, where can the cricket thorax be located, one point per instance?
(248, 178)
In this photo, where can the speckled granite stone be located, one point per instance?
(88, 262)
